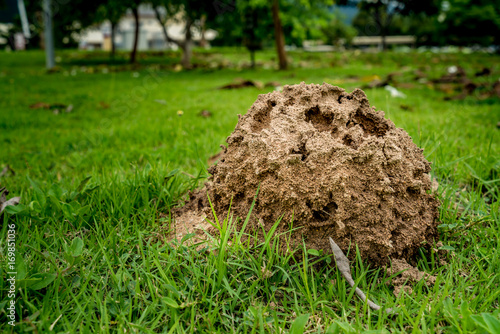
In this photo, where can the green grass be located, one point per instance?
(91, 243)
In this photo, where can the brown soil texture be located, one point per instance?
(334, 164)
(407, 274)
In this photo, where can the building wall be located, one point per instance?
(151, 35)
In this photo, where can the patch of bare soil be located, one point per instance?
(407, 274)
(333, 164)
(190, 219)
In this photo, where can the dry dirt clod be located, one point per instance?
(434, 185)
(408, 274)
(324, 156)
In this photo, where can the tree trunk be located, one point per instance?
(11, 41)
(186, 54)
(383, 29)
(252, 59)
(113, 46)
(279, 36)
(387, 23)
(187, 46)
(203, 28)
(49, 34)
(384, 42)
(133, 55)
(383, 19)
(162, 24)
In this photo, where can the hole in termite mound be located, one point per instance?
(321, 121)
(302, 151)
(326, 213)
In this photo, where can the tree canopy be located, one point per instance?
(257, 24)
(468, 22)
(377, 17)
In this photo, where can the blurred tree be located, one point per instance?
(302, 17)
(278, 35)
(190, 13)
(69, 19)
(228, 22)
(303, 20)
(254, 23)
(134, 6)
(337, 31)
(256, 27)
(7, 13)
(467, 22)
(113, 11)
(383, 12)
(243, 22)
(365, 24)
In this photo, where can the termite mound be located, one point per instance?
(336, 165)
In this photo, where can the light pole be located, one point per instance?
(24, 18)
(49, 37)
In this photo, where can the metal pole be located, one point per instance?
(24, 18)
(49, 37)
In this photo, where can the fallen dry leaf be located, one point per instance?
(40, 105)
(3, 199)
(104, 105)
(455, 74)
(467, 89)
(55, 106)
(272, 84)
(406, 107)
(241, 83)
(485, 71)
(496, 89)
(446, 88)
(7, 169)
(376, 82)
(205, 113)
(406, 85)
(419, 74)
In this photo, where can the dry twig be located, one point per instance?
(343, 265)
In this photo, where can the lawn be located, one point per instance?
(97, 185)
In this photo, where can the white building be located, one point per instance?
(151, 35)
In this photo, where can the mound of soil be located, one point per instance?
(334, 167)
